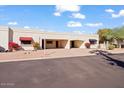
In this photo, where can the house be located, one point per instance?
(47, 40)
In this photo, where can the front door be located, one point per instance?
(42, 43)
(72, 44)
(57, 44)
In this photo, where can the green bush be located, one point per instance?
(36, 45)
(111, 47)
(116, 46)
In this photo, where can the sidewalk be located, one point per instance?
(116, 51)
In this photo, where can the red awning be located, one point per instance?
(26, 39)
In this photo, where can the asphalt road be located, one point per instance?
(89, 72)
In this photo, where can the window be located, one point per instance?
(49, 42)
(25, 42)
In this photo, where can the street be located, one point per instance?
(72, 72)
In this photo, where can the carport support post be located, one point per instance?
(44, 46)
(68, 45)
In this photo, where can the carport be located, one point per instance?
(76, 43)
(55, 43)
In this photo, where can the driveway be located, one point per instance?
(71, 72)
(49, 53)
(41, 54)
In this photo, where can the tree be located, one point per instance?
(119, 35)
(105, 36)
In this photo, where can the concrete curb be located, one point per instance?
(30, 59)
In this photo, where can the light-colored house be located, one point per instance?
(47, 40)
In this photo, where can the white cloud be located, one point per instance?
(115, 15)
(63, 8)
(27, 27)
(120, 14)
(123, 23)
(57, 14)
(109, 10)
(71, 8)
(78, 15)
(12, 23)
(74, 24)
(94, 24)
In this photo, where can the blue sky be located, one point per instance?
(77, 19)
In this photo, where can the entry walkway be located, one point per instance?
(41, 54)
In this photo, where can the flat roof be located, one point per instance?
(40, 31)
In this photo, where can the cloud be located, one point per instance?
(57, 14)
(109, 10)
(120, 14)
(63, 8)
(74, 24)
(94, 24)
(12, 23)
(71, 8)
(115, 15)
(27, 27)
(78, 15)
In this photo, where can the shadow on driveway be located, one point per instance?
(107, 57)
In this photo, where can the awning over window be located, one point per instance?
(92, 40)
(26, 39)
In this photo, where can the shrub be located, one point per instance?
(116, 46)
(36, 45)
(13, 46)
(111, 47)
(87, 45)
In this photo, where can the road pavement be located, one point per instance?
(71, 72)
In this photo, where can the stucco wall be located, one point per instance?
(63, 38)
(4, 37)
(36, 38)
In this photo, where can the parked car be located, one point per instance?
(2, 49)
